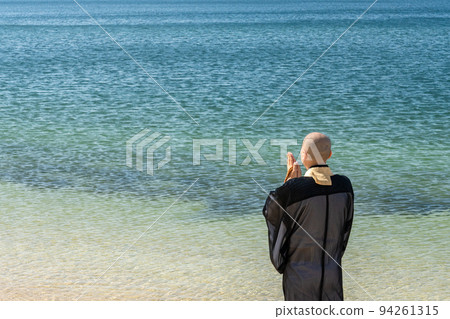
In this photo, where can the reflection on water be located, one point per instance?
(56, 243)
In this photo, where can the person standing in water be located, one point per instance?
(309, 219)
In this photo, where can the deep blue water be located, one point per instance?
(70, 98)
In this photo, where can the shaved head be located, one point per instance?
(316, 149)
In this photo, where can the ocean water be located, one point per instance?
(70, 98)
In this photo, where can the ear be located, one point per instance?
(331, 153)
(302, 155)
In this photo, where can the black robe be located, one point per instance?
(326, 214)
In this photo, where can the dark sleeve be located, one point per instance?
(274, 213)
(348, 221)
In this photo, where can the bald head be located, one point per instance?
(316, 149)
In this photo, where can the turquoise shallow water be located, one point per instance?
(70, 99)
(57, 243)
